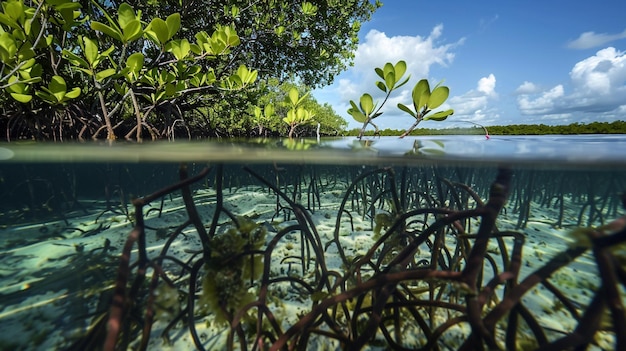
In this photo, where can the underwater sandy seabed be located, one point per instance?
(57, 276)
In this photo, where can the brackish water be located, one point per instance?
(452, 242)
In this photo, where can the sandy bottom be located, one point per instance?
(52, 274)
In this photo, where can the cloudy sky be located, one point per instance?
(505, 62)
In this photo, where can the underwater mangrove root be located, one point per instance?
(439, 274)
(123, 300)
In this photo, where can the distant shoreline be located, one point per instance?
(617, 127)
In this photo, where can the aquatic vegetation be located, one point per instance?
(167, 302)
(383, 221)
(231, 268)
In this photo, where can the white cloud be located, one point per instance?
(588, 40)
(420, 53)
(487, 85)
(598, 88)
(543, 104)
(474, 105)
(600, 74)
(527, 88)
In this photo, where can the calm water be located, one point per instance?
(301, 242)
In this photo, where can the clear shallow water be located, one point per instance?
(540, 150)
(67, 212)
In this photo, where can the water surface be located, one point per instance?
(294, 225)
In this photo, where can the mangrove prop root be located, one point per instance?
(122, 304)
(426, 277)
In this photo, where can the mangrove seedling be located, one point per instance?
(424, 100)
(367, 111)
(297, 115)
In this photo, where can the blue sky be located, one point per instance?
(505, 62)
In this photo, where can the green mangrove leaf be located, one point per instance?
(15, 10)
(56, 92)
(75, 59)
(232, 39)
(67, 6)
(438, 96)
(202, 38)
(387, 68)
(91, 51)
(73, 94)
(293, 96)
(367, 104)
(308, 9)
(15, 85)
(8, 21)
(23, 98)
(257, 112)
(28, 64)
(135, 62)
(125, 15)
(46, 42)
(234, 11)
(105, 53)
(406, 109)
(57, 87)
(210, 77)
(102, 75)
(20, 90)
(400, 69)
(120, 88)
(421, 94)
(248, 77)
(103, 28)
(157, 31)
(132, 31)
(268, 110)
(304, 115)
(380, 73)
(381, 86)
(191, 70)
(438, 84)
(179, 48)
(406, 80)
(291, 117)
(8, 47)
(28, 26)
(390, 79)
(439, 116)
(171, 89)
(26, 52)
(356, 113)
(196, 49)
(173, 24)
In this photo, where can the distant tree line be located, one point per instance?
(617, 127)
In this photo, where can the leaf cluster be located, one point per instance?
(424, 99)
(124, 65)
(313, 40)
(278, 101)
(92, 68)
